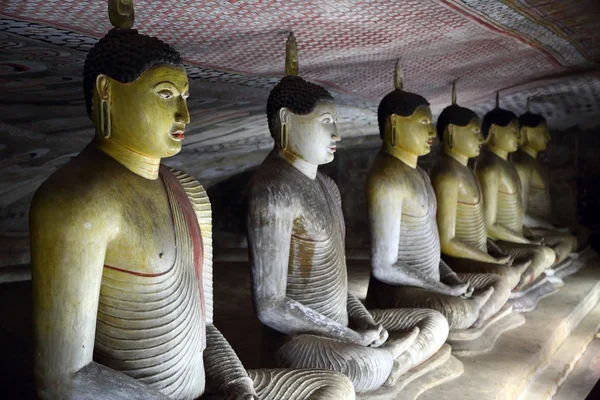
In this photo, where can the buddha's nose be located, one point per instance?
(182, 114)
(336, 134)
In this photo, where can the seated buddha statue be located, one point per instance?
(122, 253)
(460, 213)
(296, 236)
(502, 200)
(535, 186)
(406, 265)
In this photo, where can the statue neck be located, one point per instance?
(499, 152)
(402, 155)
(308, 169)
(527, 149)
(461, 158)
(137, 163)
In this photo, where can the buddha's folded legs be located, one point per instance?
(433, 331)
(562, 243)
(461, 313)
(465, 265)
(541, 257)
(301, 384)
(498, 298)
(368, 368)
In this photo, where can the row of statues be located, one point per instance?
(122, 250)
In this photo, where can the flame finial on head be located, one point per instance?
(498, 99)
(398, 76)
(528, 104)
(454, 93)
(120, 13)
(291, 55)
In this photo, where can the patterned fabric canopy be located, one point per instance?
(548, 50)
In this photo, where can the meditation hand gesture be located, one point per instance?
(241, 390)
(373, 335)
(456, 287)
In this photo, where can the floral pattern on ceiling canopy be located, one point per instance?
(351, 46)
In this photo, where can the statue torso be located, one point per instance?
(316, 274)
(510, 206)
(151, 314)
(539, 201)
(470, 224)
(419, 244)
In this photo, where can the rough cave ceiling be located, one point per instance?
(544, 49)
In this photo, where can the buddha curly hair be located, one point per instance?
(531, 120)
(124, 55)
(498, 116)
(400, 103)
(295, 94)
(455, 115)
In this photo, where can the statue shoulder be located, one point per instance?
(444, 172)
(272, 184)
(73, 198)
(386, 172)
(486, 165)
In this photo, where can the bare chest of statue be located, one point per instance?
(419, 244)
(151, 313)
(468, 186)
(314, 220)
(509, 180)
(317, 274)
(510, 204)
(145, 244)
(539, 202)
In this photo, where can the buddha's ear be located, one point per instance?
(102, 86)
(284, 115)
(393, 119)
(449, 134)
(491, 134)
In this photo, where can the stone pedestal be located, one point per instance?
(539, 353)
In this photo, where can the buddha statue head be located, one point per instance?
(405, 121)
(534, 130)
(302, 116)
(135, 90)
(459, 129)
(500, 128)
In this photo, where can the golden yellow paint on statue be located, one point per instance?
(501, 188)
(460, 213)
(535, 186)
(122, 252)
(406, 265)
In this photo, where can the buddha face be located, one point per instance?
(414, 134)
(538, 137)
(466, 140)
(148, 115)
(312, 137)
(506, 137)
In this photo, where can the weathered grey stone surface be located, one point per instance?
(440, 368)
(521, 353)
(526, 300)
(470, 342)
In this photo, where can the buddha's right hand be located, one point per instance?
(373, 336)
(506, 260)
(463, 289)
(242, 389)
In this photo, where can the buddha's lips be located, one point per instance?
(430, 142)
(177, 135)
(332, 148)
